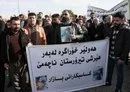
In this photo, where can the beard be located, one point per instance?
(64, 19)
(14, 30)
(117, 26)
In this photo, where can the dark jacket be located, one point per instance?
(49, 31)
(106, 29)
(122, 42)
(6, 48)
(95, 33)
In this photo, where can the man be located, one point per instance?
(13, 54)
(36, 33)
(90, 21)
(51, 25)
(80, 23)
(76, 35)
(40, 15)
(49, 31)
(119, 48)
(106, 27)
(95, 32)
(23, 21)
(55, 20)
(81, 26)
(46, 17)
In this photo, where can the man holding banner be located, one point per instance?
(119, 48)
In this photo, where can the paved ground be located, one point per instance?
(126, 86)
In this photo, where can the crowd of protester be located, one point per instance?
(36, 29)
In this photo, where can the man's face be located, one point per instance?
(65, 16)
(41, 15)
(32, 20)
(92, 16)
(80, 22)
(109, 19)
(56, 20)
(15, 25)
(48, 21)
(21, 17)
(8, 25)
(117, 21)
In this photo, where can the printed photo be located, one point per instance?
(98, 74)
(66, 33)
(41, 82)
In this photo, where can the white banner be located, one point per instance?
(68, 67)
(123, 7)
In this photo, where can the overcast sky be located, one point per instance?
(10, 7)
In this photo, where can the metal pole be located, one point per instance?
(129, 8)
(18, 8)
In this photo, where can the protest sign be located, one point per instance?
(68, 67)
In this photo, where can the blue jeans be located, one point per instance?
(120, 72)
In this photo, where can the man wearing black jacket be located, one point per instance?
(13, 54)
(119, 48)
(67, 31)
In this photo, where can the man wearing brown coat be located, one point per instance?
(36, 33)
